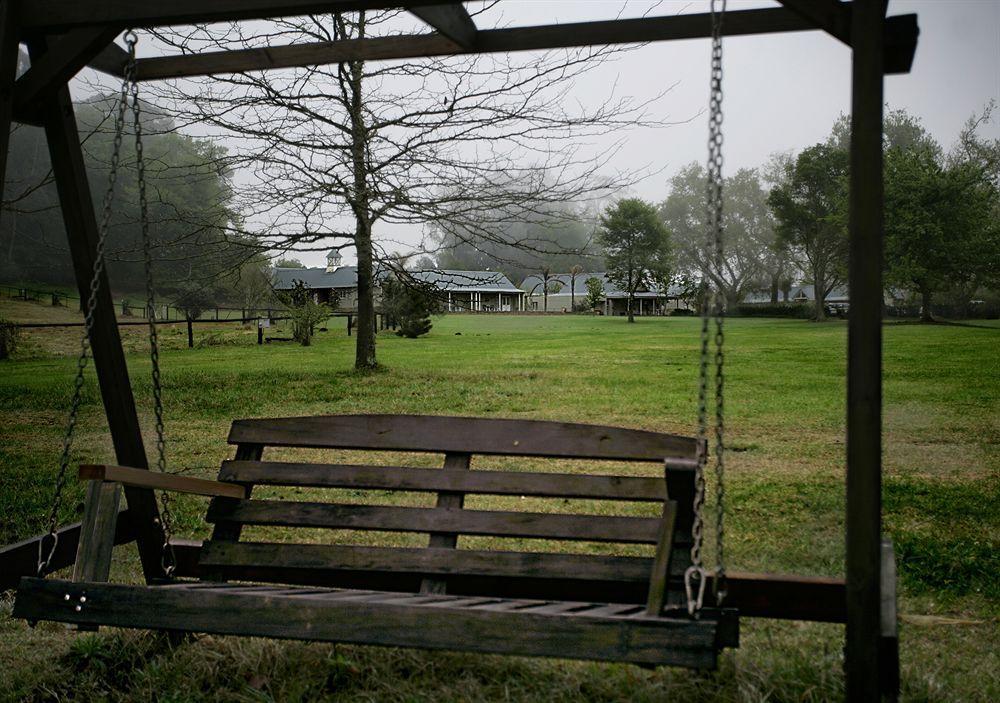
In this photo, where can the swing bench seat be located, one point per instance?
(519, 587)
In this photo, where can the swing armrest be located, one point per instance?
(142, 478)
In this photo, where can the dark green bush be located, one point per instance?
(775, 310)
(10, 335)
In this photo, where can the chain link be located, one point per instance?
(712, 307)
(90, 305)
(168, 558)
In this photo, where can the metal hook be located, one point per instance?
(694, 601)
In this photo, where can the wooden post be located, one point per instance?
(97, 532)
(451, 500)
(109, 360)
(8, 72)
(260, 333)
(864, 355)
(350, 321)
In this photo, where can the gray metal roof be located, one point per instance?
(533, 286)
(343, 277)
(467, 281)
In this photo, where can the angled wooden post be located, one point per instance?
(8, 72)
(97, 533)
(109, 359)
(864, 355)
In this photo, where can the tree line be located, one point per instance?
(788, 220)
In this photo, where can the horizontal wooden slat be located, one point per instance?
(142, 478)
(591, 528)
(428, 561)
(668, 641)
(781, 596)
(469, 435)
(274, 473)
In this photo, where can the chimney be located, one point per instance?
(333, 261)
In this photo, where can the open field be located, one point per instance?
(785, 414)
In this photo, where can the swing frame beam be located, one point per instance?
(64, 36)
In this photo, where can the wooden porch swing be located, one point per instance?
(646, 610)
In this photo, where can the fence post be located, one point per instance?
(190, 334)
(350, 320)
(260, 333)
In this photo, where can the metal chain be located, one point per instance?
(695, 577)
(715, 204)
(168, 559)
(90, 305)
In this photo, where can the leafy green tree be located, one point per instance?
(595, 293)
(636, 247)
(810, 205)
(940, 222)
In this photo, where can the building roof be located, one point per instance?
(532, 285)
(342, 277)
(796, 294)
(466, 281)
(446, 280)
(808, 292)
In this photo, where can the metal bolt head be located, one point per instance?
(66, 597)
(83, 599)
(78, 608)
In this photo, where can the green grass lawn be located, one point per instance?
(785, 403)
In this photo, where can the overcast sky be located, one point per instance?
(782, 92)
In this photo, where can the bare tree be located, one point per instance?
(749, 230)
(332, 155)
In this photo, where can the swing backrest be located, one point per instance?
(393, 527)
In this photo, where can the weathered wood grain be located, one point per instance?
(449, 499)
(667, 641)
(660, 572)
(591, 528)
(97, 531)
(143, 478)
(428, 561)
(464, 435)
(400, 478)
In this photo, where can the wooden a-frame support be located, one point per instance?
(861, 24)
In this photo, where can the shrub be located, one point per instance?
(193, 301)
(305, 312)
(682, 312)
(410, 305)
(10, 335)
(775, 310)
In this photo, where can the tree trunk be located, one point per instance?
(925, 305)
(364, 358)
(820, 304)
(631, 315)
(774, 289)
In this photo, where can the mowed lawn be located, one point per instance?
(785, 417)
